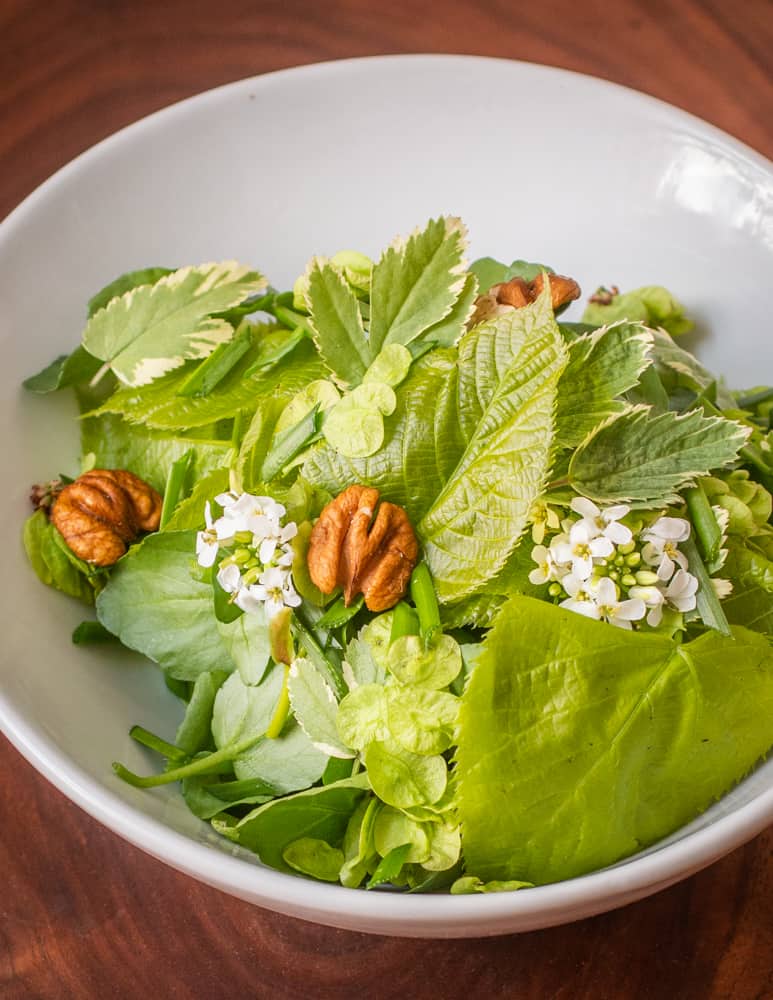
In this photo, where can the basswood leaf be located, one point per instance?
(579, 743)
(602, 366)
(508, 373)
(152, 329)
(416, 283)
(338, 330)
(646, 458)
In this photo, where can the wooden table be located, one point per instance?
(83, 914)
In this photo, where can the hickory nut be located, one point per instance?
(103, 512)
(517, 292)
(351, 550)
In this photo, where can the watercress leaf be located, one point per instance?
(314, 857)
(619, 737)
(420, 720)
(335, 316)
(602, 366)
(401, 778)
(315, 707)
(416, 283)
(644, 457)
(361, 664)
(243, 710)
(116, 444)
(289, 762)
(390, 366)
(308, 590)
(362, 716)
(393, 830)
(378, 636)
(247, 641)
(322, 813)
(125, 283)
(200, 797)
(508, 374)
(90, 632)
(153, 329)
(195, 731)
(432, 665)
(50, 562)
(359, 850)
(154, 606)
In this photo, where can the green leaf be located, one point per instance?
(338, 331)
(362, 716)
(160, 406)
(148, 454)
(66, 370)
(153, 329)
(314, 857)
(416, 283)
(355, 425)
(247, 641)
(602, 366)
(194, 733)
(210, 372)
(125, 283)
(471, 883)
(751, 602)
(393, 829)
(652, 304)
(315, 707)
(50, 562)
(447, 332)
(189, 513)
(153, 605)
(388, 869)
(321, 813)
(492, 272)
(647, 458)
(678, 367)
(421, 721)
(390, 366)
(432, 665)
(401, 778)
(508, 373)
(579, 743)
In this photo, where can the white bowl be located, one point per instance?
(600, 182)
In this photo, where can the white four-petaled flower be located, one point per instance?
(580, 549)
(603, 522)
(661, 545)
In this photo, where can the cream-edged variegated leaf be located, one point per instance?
(602, 366)
(315, 707)
(154, 329)
(644, 457)
(417, 282)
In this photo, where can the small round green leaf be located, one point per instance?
(422, 720)
(321, 392)
(433, 666)
(390, 366)
(403, 779)
(313, 857)
(393, 828)
(362, 716)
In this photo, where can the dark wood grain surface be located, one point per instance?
(83, 914)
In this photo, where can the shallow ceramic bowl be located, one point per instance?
(603, 183)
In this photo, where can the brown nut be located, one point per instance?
(103, 512)
(518, 292)
(351, 550)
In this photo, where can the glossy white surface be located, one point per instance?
(607, 185)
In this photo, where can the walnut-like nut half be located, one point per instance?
(352, 550)
(518, 292)
(103, 512)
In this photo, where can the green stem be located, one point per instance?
(405, 621)
(557, 484)
(175, 482)
(707, 602)
(202, 765)
(754, 399)
(147, 739)
(424, 597)
(704, 521)
(281, 711)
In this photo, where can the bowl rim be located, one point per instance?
(396, 913)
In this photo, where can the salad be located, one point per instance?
(455, 595)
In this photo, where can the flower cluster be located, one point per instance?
(598, 568)
(259, 557)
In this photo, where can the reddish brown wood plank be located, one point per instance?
(82, 913)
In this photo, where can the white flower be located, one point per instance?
(547, 569)
(581, 597)
(542, 517)
(275, 590)
(603, 522)
(722, 588)
(580, 549)
(611, 609)
(662, 539)
(216, 533)
(653, 601)
(229, 578)
(681, 592)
